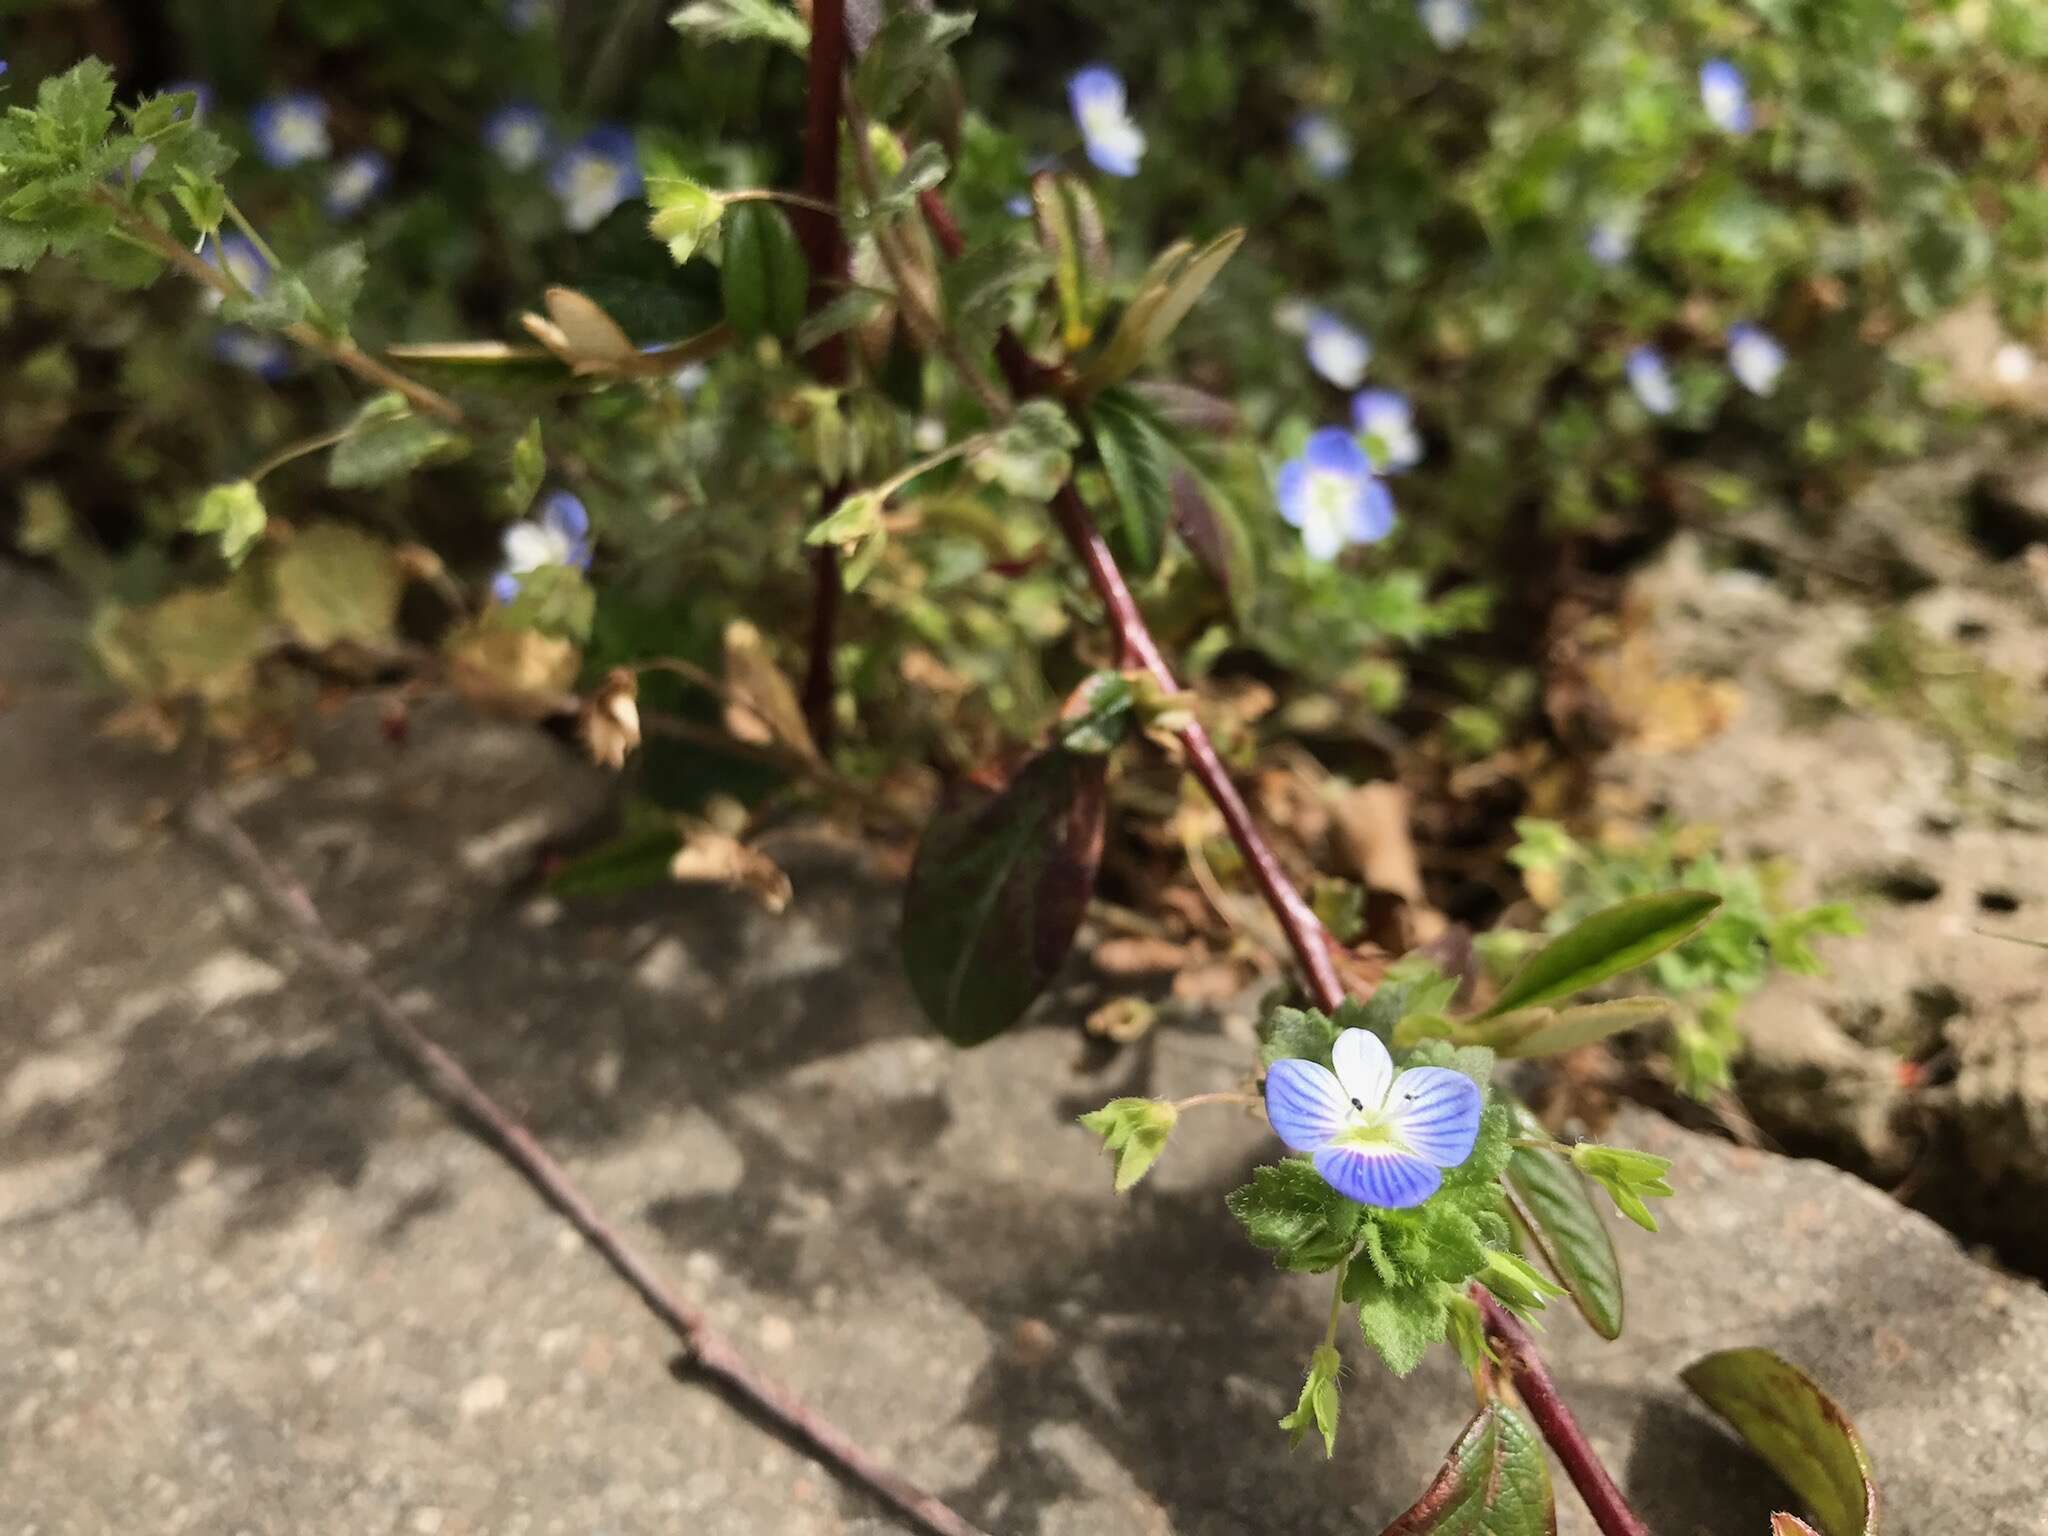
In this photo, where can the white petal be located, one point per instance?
(1363, 1066)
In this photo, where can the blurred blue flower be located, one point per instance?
(1375, 1138)
(1755, 358)
(525, 15)
(355, 181)
(594, 175)
(1386, 421)
(1113, 141)
(1725, 95)
(1448, 22)
(256, 352)
(237, 256)
(291, 129)
(517, 133)
(1335, 350)
(559, 536)
(1018, 207)
(199, 90)
(1611, 239)
(689, 378)
(1651, 381)
(1331, 494)
(1323, 144)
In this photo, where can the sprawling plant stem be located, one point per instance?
(336, 349)
(1306, 935)
(1610, 1510)
(824, 243)
(706, 1350)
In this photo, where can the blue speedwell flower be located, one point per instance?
(1113, 141)
(355, 181)
(1323, 144)
(1448, 22)
(517, 134)
(291, 130)
(1725, 95)
(594, 175)
(1376, 1138)
(255, 352)
(1651, 381)
(1331, 494)
(1336, 350)
(1611, 239)
(1386, 421)
(237, 256)
(1755, 358)
(559, 536)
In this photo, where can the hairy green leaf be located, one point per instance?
(1289, 1211)
(908, 49)
(738, 21)
(336, 583)
(388, 440)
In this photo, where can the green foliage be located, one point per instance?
(1555, 1220)
(1290, 1212)
(234, 514)
(1630, 1178)
(334, 583)
(1604, 944)
(1796, 1427)
(1134, 1132)
(997, 890)
(908, 49)
(763, 274)
(1495, 1482)
(387, 440)
(736, 21)
(1750, 934)
(1317, 1408)
(1032, 456)
(1137, 459)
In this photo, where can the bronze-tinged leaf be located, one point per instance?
(762, 706)
(1796, 1427)
(1790, 1525)
(1494, 1483)
(997, 890)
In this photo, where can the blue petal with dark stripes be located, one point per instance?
(1305, 1103)
(1435, 1113)
(1382, 1176)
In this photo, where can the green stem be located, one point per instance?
(297, 450)
(1337, 1301)
(241, 222)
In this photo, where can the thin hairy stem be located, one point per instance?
(708, 1351)
(1575, 1453)
(341, 352)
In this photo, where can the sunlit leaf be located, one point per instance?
(1616, 939)
(1796, 1427)
(336, 583)
(1494, 1483)
(1553, 1205)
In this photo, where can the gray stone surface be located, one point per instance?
(250, 1280)
(1922, 1057)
